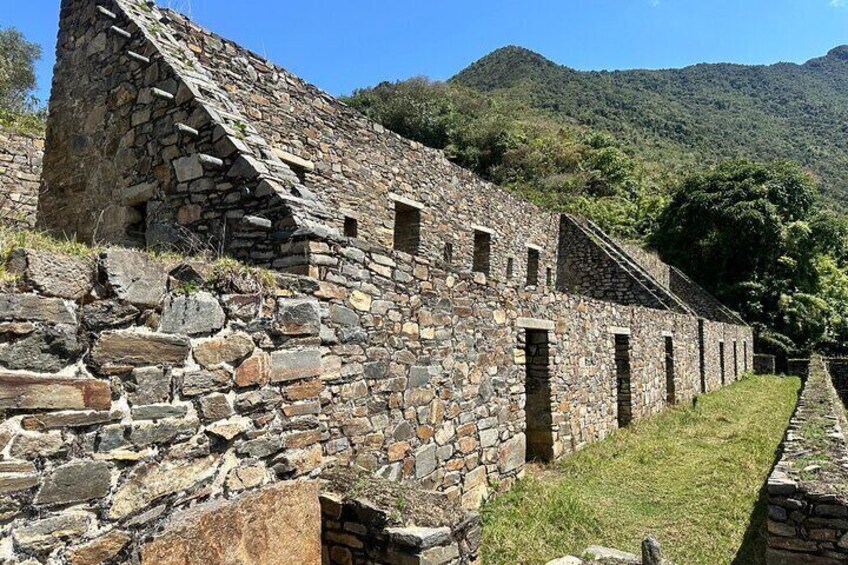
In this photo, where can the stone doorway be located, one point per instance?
(624, 387)
(702, 356)
(721, 361)
(670, 387)
(538, 409)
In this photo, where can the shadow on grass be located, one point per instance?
(753, 548)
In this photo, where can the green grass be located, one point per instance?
(692, 477)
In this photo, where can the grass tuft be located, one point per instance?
(692, 477)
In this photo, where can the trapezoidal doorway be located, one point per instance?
(622, 374)
(539, 416)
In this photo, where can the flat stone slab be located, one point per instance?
(29, 391)
(53, 274)
(134, 277)
(34, 308)
(139, 349)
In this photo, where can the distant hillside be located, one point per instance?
(680, 118)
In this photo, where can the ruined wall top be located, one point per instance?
(20, 174)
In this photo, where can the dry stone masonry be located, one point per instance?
(20, 176)
(807, 494)
(416, 323)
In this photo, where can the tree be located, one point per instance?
(18, 106)
(749, 233)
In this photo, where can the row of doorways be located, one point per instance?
(539, 410)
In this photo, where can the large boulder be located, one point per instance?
(280, 525)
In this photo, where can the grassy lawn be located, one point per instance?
(690, 476)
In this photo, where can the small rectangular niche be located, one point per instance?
(351, 227)
(136, 229)
(510, 268)
(482, 252)
(407, 228)
(447, 255)
(532, 267)
(549, 277)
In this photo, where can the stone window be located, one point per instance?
(482, 252)
(540, 432)
(351, 227)
(510, 268)
(622, 373)
(670, 387)
(448, 254)
(407, 228)
(532, 267)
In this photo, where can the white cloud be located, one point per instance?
(837, 3)
(655, 3)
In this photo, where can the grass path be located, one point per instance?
(690, 476)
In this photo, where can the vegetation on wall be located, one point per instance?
(19, 109)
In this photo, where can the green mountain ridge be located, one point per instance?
(684, 117)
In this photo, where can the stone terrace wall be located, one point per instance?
(808, 489)
(20, 176)
(132, 389)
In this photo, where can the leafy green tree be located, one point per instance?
(750, 234)
(18, 106)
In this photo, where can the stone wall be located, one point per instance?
(20, 174)
(808, 502)
(133, 389)
(431, 372)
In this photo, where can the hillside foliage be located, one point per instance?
(19, 109)
(738, 175)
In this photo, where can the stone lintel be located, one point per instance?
(483, 229)
(536, 324)
(534, 247)
(406, 201)
(668, 334)
(619, 331)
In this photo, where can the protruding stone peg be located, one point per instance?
(107, 13)
(120, 31)
(159, 93)
(138, 57)
(209, 160)
(186, 130)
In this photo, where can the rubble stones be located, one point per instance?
(46, 349)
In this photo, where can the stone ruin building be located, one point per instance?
(426, 332)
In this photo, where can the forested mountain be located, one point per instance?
(681, 117)
(721, 168)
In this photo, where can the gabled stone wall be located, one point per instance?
(20, 176)
(144, 149)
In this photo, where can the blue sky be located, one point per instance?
(344, 44)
